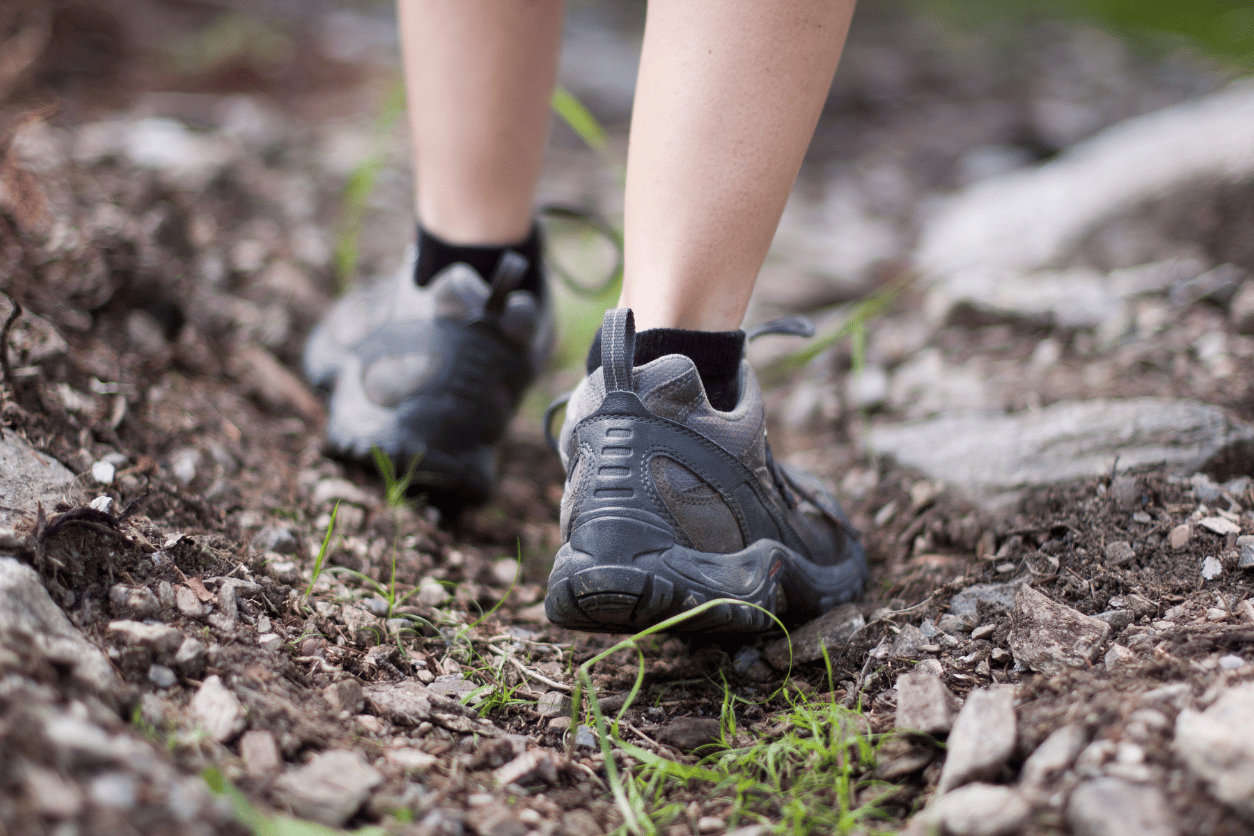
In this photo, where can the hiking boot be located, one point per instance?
(431, 374)
(670, 503)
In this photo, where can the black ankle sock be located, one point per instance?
(716, 354)
(434, 254)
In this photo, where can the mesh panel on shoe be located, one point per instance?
(703, 518)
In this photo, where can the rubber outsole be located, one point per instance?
(622, 572)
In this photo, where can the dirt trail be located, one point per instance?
(172, 659)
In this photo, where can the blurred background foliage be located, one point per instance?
(1220, 29)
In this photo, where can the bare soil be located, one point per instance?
(164, 311)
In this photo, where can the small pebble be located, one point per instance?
(1211, 568)
(1180, 536)
(983, 631)
(1231, 662)
(585, 737)
(162, 677)
(102, 504)
(103, 472)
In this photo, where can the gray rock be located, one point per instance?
(260, 753)
(1115, 807)
(1119, 552)
(276, 538)
(993, 458)
(190, 657)
(981, 810)
(162, 640)
(30, 621)
(553, 704)
(952, 623)
(410, 703)
(161, 676)
(908, 642)
(585, 737)
(1180, 537)
(982, 739)
(216, 710)
(330, 788)
(1246, 558)
(1118, 656)
(136, 602)
(345, 695)
(1052, 758)
(114, 789)
(1117, 619)
(29, 479)
(831, 630)
(78, 742)
(999, 595)
(1217, 745)
(536, 765)
(50, 794)
(187, 603)
(1049, 637)
(1032, 219)
(689, 733)
(924, 704)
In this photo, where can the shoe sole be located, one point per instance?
(622, 572)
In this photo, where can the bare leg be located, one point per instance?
(728, 96)
(479, 74)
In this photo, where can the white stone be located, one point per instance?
(1211, 567)
(1052, 758)
(992, 458)
(1219, 525)
(216, 710)
(982, 739)
(1115, 807)
(103, 472)
(1031, 219)
(1049, 637)
(1217, 745)
(981, 810)
(924, 704)
(330, 788)
(31, 620)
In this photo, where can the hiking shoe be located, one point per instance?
(670, 503)
(431, 372)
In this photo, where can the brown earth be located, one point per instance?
(164, 310)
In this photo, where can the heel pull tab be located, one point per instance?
(505, 279)
(618, 349)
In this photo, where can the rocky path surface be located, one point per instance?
(1042, 424)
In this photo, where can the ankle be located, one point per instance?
(435, 254)
(716, 354)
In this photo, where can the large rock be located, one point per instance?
(330, 788)
(1036, 218)
(28, 479)
(983, 737)
(831, 631)
(1115, 807)
(29, 620)
(924, 704)
(1218, 747)
(993, 458)
(216, 710)
(1049, 637)
(981, 810)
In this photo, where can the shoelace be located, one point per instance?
(599, 225)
